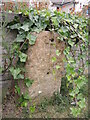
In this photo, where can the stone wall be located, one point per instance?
(9, 36)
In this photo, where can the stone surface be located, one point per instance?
(5, 80)
(39, 66)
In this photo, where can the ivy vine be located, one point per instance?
(72, 29)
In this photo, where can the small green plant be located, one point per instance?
(32, 110)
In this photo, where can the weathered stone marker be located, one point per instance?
(39, 65)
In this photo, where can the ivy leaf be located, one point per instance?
(80, 83)
(70, 69)
(15, 72)
(10, 11)
(21, 98)
(32, 109)
(15, 26)
(68, 77)
(15, 46)
(71, 43)
(22, 57)
(28, 82)
(20, 38)
(63, 31)
(36, 18)
(38, 30)
(21, 31)
(17, 89)
(57, 52)
(53, 59)
(73, 36)
(31, 39)
(26, 96)
(71, 60)
(75, 111)
(66, 51)
(75, 26)
(57, 67)
(24, 104)
(80, 70)
(79, 96)
(74, 92)
(25, 26)
(81, 103)
(54, 20)
(20, 76)
(69, 20)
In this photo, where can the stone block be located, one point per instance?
(39, 66)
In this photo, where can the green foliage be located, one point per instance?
(31, 39)
(25, 26)
(15, 26)
(32, 109)
(54, 59)
(57, 52)
(20, 38)
(17, 90)
(23, 100)
(26, 96)
(72, 30)
(16, 73)
(28, 82)
(57, 67)
(82, 103)
(22, 57)
(75, 111)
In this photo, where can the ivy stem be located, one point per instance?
(74, 87)
(81, 57)
(11, 59)
(75, 98)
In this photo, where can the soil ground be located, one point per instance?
(44, 110)
(55, 107)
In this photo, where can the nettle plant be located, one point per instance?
(72, 30)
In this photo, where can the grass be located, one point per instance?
(58, 106)
(53, 107)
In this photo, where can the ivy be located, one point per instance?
(54, 59)
(25, 26)
(28, 82)
(22, 57)
(72, 29)
(17, 90)
(32, 109)
(57, 52)
(75, 111)
(31, 39)
(57, 67)
(15, 72)
(20, 38)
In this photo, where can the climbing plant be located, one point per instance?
(72, 30)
